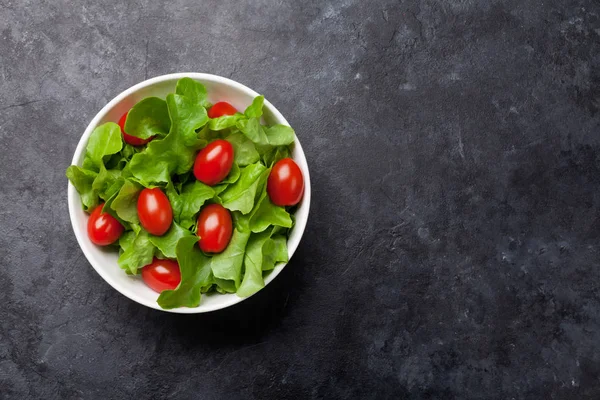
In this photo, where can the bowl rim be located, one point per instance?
(74, 199)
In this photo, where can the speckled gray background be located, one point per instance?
(452, 250)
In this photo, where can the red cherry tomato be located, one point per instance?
(214, 228)
(214, 162)
(103, 229)
(162, 275)
(154, 211)
(132, 140)
(285, 185)
(221, 108)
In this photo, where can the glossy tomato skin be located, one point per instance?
(103, 229)
(132, 140)
(214, 228)
(214, 162)
(154, 211)
(221, 108)
(285, 185)
(162, 275)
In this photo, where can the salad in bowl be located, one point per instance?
(193, 197)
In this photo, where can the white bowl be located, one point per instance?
(103, 260)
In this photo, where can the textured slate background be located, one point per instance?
(452, 249)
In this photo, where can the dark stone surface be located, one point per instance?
(452, 249)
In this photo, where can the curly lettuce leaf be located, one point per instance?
(128, 151)
(89, 164)
(138, 251)
(275, 154)
(266, 137)
(207, 134)
(228, 264)
(244, 150)
(280, 135)
(187, 204)
(107, 209)
(126, 240)
(125, 203)
(240, 196)
(240, 221)
(194, 90)
(195, 275)
(253, 260)
(83, 180)
(224, 285)
(263, 252)
(233, 176)
(224, 122)
(167, 243)
(267, 214)
(105, 140)
(148, 118)
(175, 153)
(108, 182)
(255, 110)
(274, 251)
(253, 130)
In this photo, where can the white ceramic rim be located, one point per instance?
(74, 199)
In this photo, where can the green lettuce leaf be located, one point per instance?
(207, 134)
(186, 178)
(129, 150)
(253, 130)
(228, 264)
(105, 140)
(275, 154)
(125, 204)
(148, 118)
(280, 135)
(240, 196)
(176, 152)
(107, 209)
(167, 243)
(126, 240)
(187, 204)
(194, 90)
(108, 182)
(255, 110)
(267, 214)
(240, 221)
(233, 176)
(225, 286)
(253, 260)
(186, 117)
(113, 161)
(89, 164)
(83, 180)
(244, 150)
(137, 251)
(195, 274)
(224, 122)
(274, 251)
